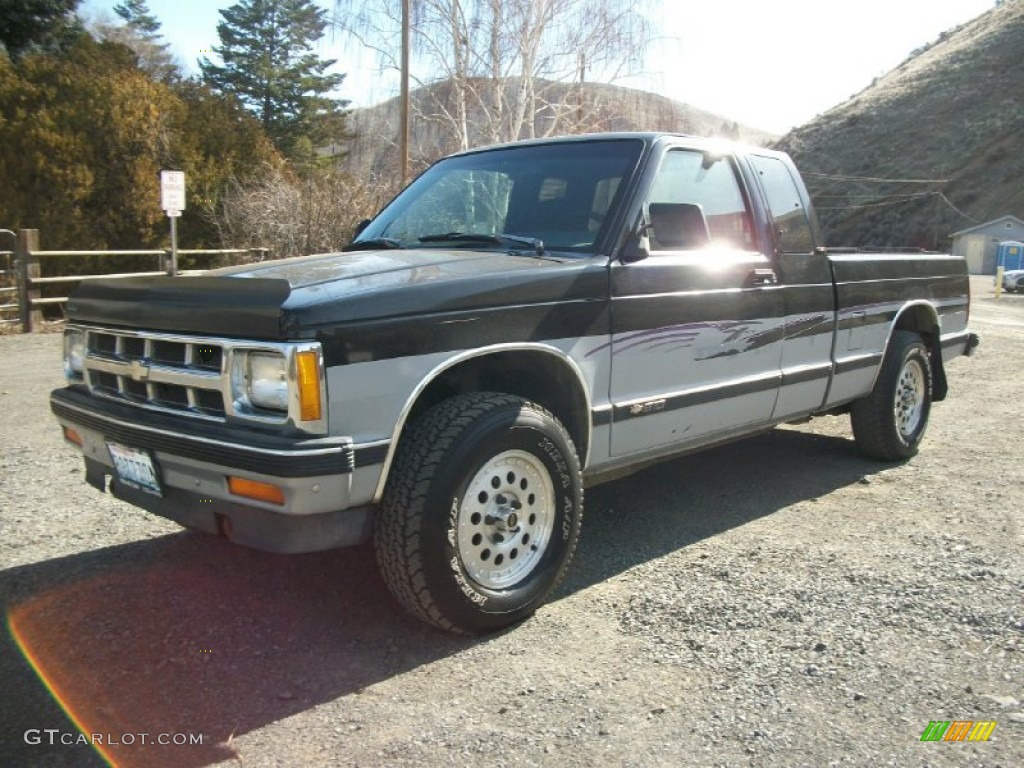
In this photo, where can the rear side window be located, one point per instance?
(791, 220)
(688, 176)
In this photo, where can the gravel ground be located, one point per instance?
(779, 601)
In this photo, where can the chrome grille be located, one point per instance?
(169, 373)
(196, 376)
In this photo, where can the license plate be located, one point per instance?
(135, 468)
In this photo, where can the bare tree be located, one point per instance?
(293, 216)
(505, 64)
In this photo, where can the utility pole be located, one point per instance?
(938, 210)
(404, 138)
(581, 60)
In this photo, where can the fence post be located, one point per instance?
(28, 270)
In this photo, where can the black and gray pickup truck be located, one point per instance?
(521, 321)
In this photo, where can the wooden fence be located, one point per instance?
(8, 287)
(23, 268)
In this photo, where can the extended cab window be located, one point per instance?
(791, 221)
(688, 176)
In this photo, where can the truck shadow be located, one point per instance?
(674, 504)
(187, 634)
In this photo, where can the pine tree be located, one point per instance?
(141, 33)
(136, 14)
(29, 24)
(268, 63)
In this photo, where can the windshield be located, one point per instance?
(560, 194)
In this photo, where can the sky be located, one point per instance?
(770, 64)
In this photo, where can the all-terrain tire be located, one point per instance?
(889, 422)
(481, 513)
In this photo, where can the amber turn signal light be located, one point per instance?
(72, 436)
(253, 489)
(308, 369)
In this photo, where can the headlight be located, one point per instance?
(265, 377)
(74, 354)
(283, 384)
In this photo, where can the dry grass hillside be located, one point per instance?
(953, 110)
(604, 108)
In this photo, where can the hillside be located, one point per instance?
(952, 111)
(604, 108)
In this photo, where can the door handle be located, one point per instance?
(760, 277)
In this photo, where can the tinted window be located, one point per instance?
(688, 176)
(784, 201)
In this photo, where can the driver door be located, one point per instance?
(697, 326)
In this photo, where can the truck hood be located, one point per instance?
(293, 298)
(362, 271)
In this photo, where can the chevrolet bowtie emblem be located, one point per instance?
(138, 370)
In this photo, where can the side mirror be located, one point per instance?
(672, 226)
(679, 226)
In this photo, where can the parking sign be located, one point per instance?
(172, 192)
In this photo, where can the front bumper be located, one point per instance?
(327, 483)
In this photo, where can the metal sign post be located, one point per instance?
(173, 215)
(172, 200)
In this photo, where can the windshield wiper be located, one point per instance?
(372, 243)
(478, 237)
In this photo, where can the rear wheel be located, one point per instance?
(889, 423)
(481, 514)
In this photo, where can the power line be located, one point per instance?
(905, 199)
(947, 202)
(866, 196)
(876, 179)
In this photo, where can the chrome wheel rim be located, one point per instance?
(910, 398)
(506, 519)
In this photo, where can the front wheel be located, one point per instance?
(481, 513)
(889, 422)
